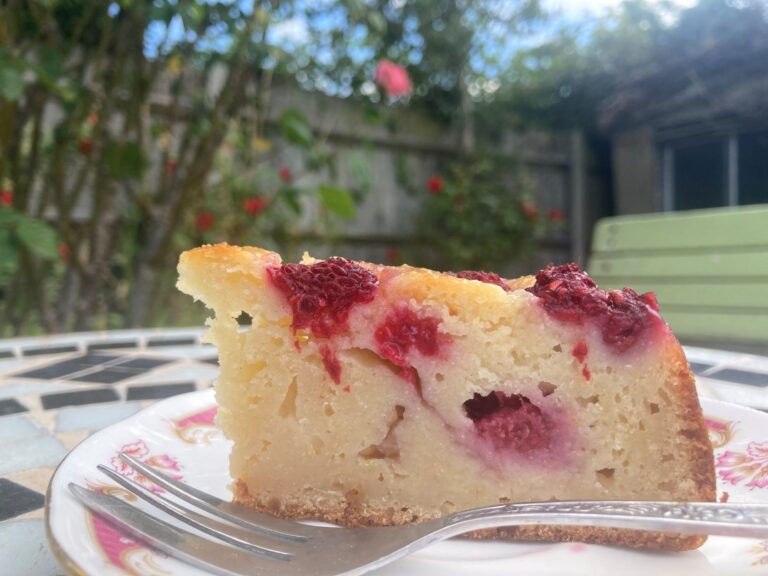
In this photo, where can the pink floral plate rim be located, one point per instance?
(176, 434)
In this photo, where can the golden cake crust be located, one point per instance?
(243, 259)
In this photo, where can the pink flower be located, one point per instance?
(140, 451)
(255, 204)
(136, 449)
(162, 461)
(556, 215)
(758, 450)
(64, 252)
(204, 221)
(85, 146)
(435, 185)
(529, 209)
(752, 467)
(285, 174)
(121, 467)
(393, 79)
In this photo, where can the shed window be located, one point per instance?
(700, 176)
(753, 168)
(729, 171)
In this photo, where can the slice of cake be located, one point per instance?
(368, 395)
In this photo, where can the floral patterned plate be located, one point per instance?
(179, 437)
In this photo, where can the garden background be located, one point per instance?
(457, 134)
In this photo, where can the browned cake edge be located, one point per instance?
(356, 515)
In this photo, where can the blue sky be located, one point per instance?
(293, 32)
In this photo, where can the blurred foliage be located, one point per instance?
(130, 131)
(562, 82)
(451, 47)
(479, 216)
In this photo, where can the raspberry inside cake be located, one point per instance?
(370, 395)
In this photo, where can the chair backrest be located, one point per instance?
(708, 268)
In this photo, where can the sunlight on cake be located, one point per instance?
(367, 395)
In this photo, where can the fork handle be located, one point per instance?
(749, 520)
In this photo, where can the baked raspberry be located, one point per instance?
(331, 363)
(580, 351)
(487, 277)
(322, 294)
(509, 422)
(570, 295)
(403, 330)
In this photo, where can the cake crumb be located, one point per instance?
(724, 497)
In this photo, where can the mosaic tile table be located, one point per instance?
(56, 391)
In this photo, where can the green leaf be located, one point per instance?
(8, 217)
(124, 160)
(8, 253)
(337, 201)
(291, 199)
(38, 237)
(295, 128)
(51, 63)
(11, 83)
(377, 22)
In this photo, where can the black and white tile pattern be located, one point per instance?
(61, 389)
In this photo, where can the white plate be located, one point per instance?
(178, 435)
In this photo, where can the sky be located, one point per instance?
(577, 9)
(581, 9)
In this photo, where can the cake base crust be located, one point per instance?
(358, 515)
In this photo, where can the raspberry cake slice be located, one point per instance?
(369, 395)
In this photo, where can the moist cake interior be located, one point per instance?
(368, 395)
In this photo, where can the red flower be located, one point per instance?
(254, 204)
(170, 166)
(64, 252)
(392, 256)
(435, 185)
(285, 174)
(85, 146)
(529, 209)
(556, 215)
(204, 220)
(6, 197)
(393, 79)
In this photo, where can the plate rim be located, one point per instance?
(70, 565)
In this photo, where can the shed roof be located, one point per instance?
(718, 89)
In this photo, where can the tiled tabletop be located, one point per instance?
(56, 391)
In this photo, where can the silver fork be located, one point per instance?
(245, 542)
